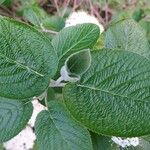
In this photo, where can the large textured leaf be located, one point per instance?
(113, 97)
(74, 39)
(14, 116)
(57, 130)
(127, 35)
(27, 60)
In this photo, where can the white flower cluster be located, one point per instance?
(23, 141)
(126, 142)
(81, 17)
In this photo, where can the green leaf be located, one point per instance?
(55, 23)
(6, 3)
(73, 39)
(34, 14)
(2, 1)
(1, 146)
(138, 14)
(127, 35)
(14, 116)
(78, 63)
(35, 147)
(121, 15)
(145, 24)
(112, 98)
(100, 42)
(56, 129)
(102, 142)
(27, 60)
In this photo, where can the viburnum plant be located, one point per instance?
(87, 91)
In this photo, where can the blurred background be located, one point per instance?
(51, 16)
(40, 11)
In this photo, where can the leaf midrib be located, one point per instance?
(21, 65)
(57, 128)
(106, 91)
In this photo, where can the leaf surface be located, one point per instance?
(113, 97)
(74, 39)
(129, 36)
(14, 116)
(27, 60)
(56, 129)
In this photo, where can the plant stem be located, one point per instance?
(48, 31)
(57, 83)
(66, 5)
(106, 12)
(45, 99)
(57, 8)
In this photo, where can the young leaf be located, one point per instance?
(145, 24)
(56, 130)
(78, 63)
(27, 60)
(74, 39)
(55, 23)
(14, 116)
(112, 98)
(129, 36)
(34, 14)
